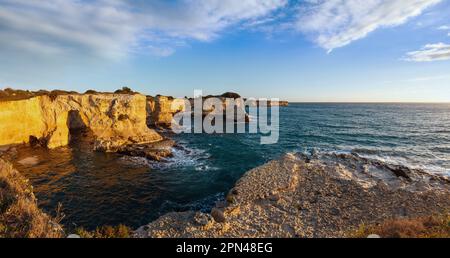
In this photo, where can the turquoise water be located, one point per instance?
(108, 189)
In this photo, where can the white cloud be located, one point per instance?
(430, 52)
(336, 23)
(114, 28)
(203, 20)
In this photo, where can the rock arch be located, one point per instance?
(52, 121)
(75, 122)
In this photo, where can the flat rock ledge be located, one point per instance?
(156, 151)
(325, 195)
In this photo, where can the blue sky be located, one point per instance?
(310, 50)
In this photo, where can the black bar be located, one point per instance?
(224, 247)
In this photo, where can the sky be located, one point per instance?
(304, 50)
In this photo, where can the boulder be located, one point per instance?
(218, 215)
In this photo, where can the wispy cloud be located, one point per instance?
(115, 28)
(444, 27)
(430, 52)
(337, 23)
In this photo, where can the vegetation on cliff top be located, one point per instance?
(125, 90)
(9, 94)
(20, 216)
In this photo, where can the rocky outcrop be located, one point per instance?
(152, 151)
(270, 103)
(114, 120)
(161, 110)
(228, 99)
(281, 103)
(320, 196)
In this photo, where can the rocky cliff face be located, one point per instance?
(228, 100)
(113, 119)
(269, 103)
(320, 196)
(161, 109)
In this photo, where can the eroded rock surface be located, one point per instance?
(114, 120)
(161, 109)
(156, 151)
(321, 196)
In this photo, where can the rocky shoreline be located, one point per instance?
(318, 196)
(327, 195)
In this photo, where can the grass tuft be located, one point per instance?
(120, 231)
(423, 227)
(20, 216)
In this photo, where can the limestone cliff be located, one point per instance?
(270, 103)
(113, 119)
(228, 100)
(161, 109)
